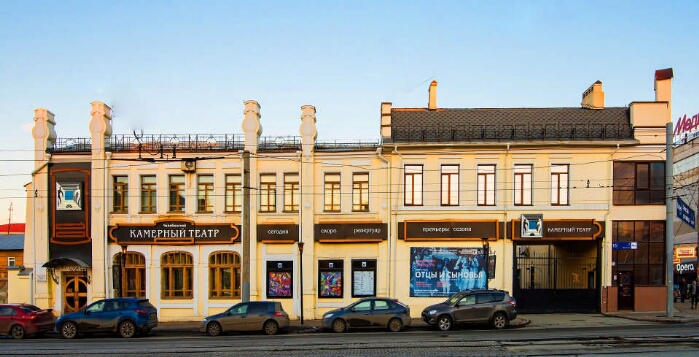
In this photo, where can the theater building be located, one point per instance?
(541, 202)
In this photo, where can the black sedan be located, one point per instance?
(373, 312)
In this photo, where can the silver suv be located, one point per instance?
(494, 307)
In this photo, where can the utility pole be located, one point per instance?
(9, 219)
(669, 237)
(246, 228)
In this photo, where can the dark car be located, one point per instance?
(126, 316)
(494, 307)
(373, 312)
(266, 316)
(20, 320)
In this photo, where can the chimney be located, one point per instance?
(663, 89)
(663, 85)
(432, 104)
(593, 97)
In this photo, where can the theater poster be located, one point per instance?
(445, 271)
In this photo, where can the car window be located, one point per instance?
(257, 308)
(145, 303)
(468, 300)
(381, 305)
(239, 309)
(113, 306)
(96, 307)
(498, 296)
(278, 306)
(484, 298)
(7, 311)
(29, 308)
(363, 306)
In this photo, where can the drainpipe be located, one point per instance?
(504, 238)
(34, 270)
(390, 218)
(395, 151)
(105, 202)
(299, 153)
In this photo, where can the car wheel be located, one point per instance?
(395, 325)
(445, 323)
(499, 321)
(339, 326)
(18, 332)
(213, 329)
(127, 329)
(271, 327)
(69, 330)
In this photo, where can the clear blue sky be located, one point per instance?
(179, 67)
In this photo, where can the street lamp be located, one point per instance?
(486, 253)
(122, 286)
(301, 277)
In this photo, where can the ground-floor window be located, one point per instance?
(176, 280)
(639, 246)
(224, 275)
(133, 281)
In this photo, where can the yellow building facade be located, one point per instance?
(541, 202)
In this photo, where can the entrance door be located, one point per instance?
(626, 287)
(74, 294)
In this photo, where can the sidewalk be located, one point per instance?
(682, 314)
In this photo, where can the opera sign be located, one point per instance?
(684, 268)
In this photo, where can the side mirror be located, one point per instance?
(353, 310)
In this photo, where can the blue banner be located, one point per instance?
(684, 213)
(445, 271)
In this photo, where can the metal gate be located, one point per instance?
(544, 284)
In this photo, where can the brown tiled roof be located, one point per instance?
(519, 124)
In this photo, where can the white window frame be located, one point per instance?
(560, 184)
(486, 184)
(522, 185)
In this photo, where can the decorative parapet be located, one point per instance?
(44, 133)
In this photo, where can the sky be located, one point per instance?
(186, 67)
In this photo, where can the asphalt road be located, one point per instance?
(650, 339)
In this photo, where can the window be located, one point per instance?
(11, 261)
(121, 194)
(234, 193)
(413, 185)
(450, 185)
(486, 185)
(647, 261)
(639, 183)
(332, 192)
(176, 193)
(134, 278)
(224, 275)
(205, 193)
(268, 192)
(360, 192)
(176, 280)
(148, 194)
(559, 185)
(291, 192)
(523, 185)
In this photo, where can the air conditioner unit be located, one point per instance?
(189, 165)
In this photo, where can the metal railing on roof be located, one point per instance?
(203, 143)
(507, 132)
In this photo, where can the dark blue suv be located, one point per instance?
(126, 316)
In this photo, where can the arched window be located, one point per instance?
(133, 279)
(224, 275)
(176, 281)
